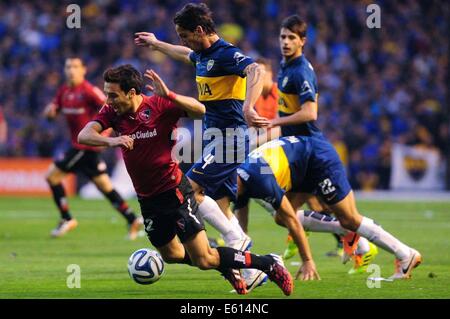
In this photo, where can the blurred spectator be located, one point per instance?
(376, 86)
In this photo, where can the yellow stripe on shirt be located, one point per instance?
(221, 88)
(278, 162)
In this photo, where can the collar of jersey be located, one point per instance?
(295, 61)
(213, 47)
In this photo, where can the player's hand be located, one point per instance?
(307, 271)
(145, 39)
(50, 111)
(158, 86)
(253, 119)
(274, 123)
(123, 141)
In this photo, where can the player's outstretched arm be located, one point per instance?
(255, 75)
(286, 216)
(191, 106)
(176, 52)
(90, 135)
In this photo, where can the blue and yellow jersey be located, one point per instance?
(221, 83)
(297, 84)
(287, 158)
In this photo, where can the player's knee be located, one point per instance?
(51, 178)
(279, 220)
(348, 222)
(171, 257)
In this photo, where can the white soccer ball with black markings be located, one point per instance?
(145, 266)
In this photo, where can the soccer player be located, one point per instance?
(79, 101)
(229, 83)
(298, 97)
(144, 125)
(311, 165)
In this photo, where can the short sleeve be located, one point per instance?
(193, 57)
(233, 61)
(105, 117)
(96, 97)
(306, 87)
(57, 99)
(172, 112)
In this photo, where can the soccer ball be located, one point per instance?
(145, 266)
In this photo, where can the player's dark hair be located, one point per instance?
(126, 76)
(295, 24)
(75, 57)
(265, 62)
(193, 15)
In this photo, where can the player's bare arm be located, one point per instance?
(255, 83)
(287, 217)
(191, 106)
(177, 52)
(307, 113)
(91, 135)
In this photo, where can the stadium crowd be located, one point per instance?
(376, 86)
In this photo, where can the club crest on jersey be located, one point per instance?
(144, 116)
(210, 65)
(285, 80)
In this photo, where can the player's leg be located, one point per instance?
(227, 260)
(54, 177)
(210, 211)
(104, 185)
(407, 258)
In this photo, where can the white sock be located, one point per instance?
(237, 226)
(317, 222)
(211, 212)
(382, 238)
(363, 246)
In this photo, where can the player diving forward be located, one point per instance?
(229, 83)
(165, 195)
(311, 165)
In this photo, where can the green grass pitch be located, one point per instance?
(32, 265)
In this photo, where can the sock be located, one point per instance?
(211, 212)
(186, 260)
(338, 239)
(237, 226)
(382, 238)
(121, 206)
(236, 259)
(317, 222)
(59, 195)
(363, 246)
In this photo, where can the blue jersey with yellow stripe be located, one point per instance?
(287, 158)
(297, 84)
(221, 83)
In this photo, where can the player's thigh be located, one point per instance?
(314, 203)
(297, 199)
(103, 183)
(202, 255)
(55, 175)
(347, 213)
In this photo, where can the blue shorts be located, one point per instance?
(325, 176)
(215, 171)
(259, 183)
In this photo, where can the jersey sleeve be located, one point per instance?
(193, 57)
(96, 98)
(57, 99)
(233, 61)
(170, 109)
(105, 117)
(306, 87)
